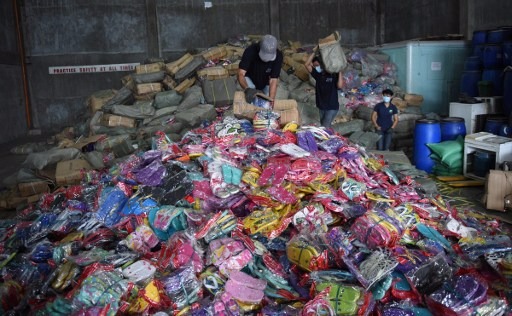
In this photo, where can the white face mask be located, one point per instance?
(386, 99)
(318, 69)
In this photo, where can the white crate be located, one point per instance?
(468, 112)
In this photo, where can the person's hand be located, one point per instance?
(250, 94)
(377, 128)
(271, 104)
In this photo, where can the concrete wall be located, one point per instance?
(12, 115)
(96, 32)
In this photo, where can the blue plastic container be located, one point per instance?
(478, 50)
(473, 63)
(506, 47)
(452, 127)
(493, 124)
(507, 92)
(469, 82)
(495, 36)
(483, 162)
(492, 56)
(426, 131)
(479, 37)
(496, 77)
(505, 130)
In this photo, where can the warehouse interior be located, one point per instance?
(119, 166)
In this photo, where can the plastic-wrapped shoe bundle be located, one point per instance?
(465, 295)
(347, 300)
(182, 287)
(378, 229)
(102, 287)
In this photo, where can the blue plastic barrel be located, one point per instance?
(505, 130)
(507, 92)
(469, 82)
(479, 37)
(478, 50)
(493, 124)
(452, 127)
(483, 162)
(496, 77)
(492, 56)
(495, 36)
(426, 131)
(473, 63)
(506, 47)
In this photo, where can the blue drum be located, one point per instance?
(469, 82)
(426, 131)
(493, 56)
(496, 77)
(452, 127)
(493, 124)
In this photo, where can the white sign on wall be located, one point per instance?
(64, 70)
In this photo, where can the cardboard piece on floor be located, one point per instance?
(70, 171)
(498, 185)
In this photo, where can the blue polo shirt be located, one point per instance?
(385, 115)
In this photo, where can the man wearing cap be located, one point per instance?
(260, 67)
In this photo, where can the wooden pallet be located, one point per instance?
(460, 181)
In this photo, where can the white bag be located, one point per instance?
(333, 56)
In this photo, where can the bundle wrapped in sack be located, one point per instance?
(332, 54)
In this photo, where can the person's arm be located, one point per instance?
(374, 120)
(309, 62)
(340, 80)
(272, 91)
(241, 79)
(395, 121)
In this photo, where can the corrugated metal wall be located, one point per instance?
(89, 32)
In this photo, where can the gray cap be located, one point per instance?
(268, 48)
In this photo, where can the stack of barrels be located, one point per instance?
(484, 74)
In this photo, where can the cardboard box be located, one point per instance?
(286, 108)
(99, 98)
(147, 88)
(233, 68)
(33, 188)
(149, 68)
(212, 73)
(184, 85)
(413, 99)
(112, 120)
(215, 53)
(498, 185)
(173, 67)
(71, 171)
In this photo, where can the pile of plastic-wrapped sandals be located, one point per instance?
(243, 219)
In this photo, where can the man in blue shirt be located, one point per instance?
(326, 90)
(260, 68)
(385, 119)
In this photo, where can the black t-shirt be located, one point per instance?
(259, 71)
(326, 90)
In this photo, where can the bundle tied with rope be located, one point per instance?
(332, 53)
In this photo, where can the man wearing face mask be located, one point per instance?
(385, 119)
(326, 90)
(260, 68)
